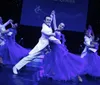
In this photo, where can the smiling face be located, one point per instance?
(61, 26)
(15, 25)
(48, 21)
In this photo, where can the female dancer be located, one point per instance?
(3, 48)
(16, 52)
(59, 63)
(90, 54)
(2, 26)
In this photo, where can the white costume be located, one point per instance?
(2, 29)
(37, 51)
(87, 41)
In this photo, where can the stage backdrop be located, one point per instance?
(72, 12)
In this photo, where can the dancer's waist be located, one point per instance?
(44, 36)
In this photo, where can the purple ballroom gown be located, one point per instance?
(60, 64)
(92, 62)
(16, 51)
(4, 54)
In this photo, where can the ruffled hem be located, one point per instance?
(62, 65)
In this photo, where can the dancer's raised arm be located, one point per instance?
(54, 21)
(8, 22)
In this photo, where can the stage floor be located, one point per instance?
(28, 76)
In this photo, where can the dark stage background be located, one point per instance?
(28, 35)
(72, 12)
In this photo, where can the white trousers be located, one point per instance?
(36, 52)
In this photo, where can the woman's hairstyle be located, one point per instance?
(89, 29)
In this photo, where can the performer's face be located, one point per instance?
(15, 25)
(61, 26)
(1, 20)
(89, 27)
(48, 21)
(89, 32)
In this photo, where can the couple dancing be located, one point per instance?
(58, 63)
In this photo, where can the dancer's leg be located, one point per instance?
(24, 61)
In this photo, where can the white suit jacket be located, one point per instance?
(44, 39)
(87, 41)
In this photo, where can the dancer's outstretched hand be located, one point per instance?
(52, 14)
(10, 20)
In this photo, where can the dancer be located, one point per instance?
(2, 26)
(16, 52)
(60, 64)
(38, 50)
(3, 48)
(89, 33)
(90, 55)
(3, 29)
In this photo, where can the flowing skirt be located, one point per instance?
(92, 64)
(11, 52)
(4, 54)
(61, 64)
(16, 52)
